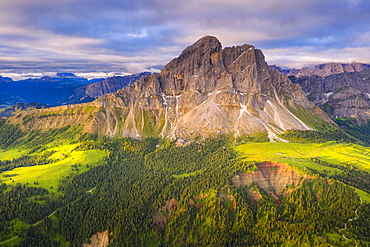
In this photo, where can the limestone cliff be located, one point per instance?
(207, 90)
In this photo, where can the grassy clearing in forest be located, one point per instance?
(12, 153)
(365, 196)
(330, 152)
(336, 238)
(48, 176)
(184, 175)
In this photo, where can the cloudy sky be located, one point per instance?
(106, 37)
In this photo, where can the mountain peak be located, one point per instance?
(205, 91)
(206, 43)
(197, 61)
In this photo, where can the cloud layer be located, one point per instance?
(132, 36)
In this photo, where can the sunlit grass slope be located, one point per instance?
(331, 152)
(63, 163)
(12, 154)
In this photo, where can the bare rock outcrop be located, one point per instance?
(209, 90)
(274, 177)
(100, 239)
(160, 217)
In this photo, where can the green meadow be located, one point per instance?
(12, 153)
(64, 162)
(295, 153)
(185, 175)
(365, 196)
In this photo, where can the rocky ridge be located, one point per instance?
(205, 91)
(109, 85)
(327, 69)
(339, 95)
(10, 111)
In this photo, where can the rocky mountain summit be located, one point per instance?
(205, 91)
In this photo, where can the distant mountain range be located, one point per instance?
(112, 84)
(341, 90)
(65, 88)
(339, 95)
(46, 90)
(324, 70)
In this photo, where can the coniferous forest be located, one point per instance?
(152, 192)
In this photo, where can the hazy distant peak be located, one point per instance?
(328, 69)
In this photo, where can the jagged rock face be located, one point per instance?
(327, 69)
(100, 239)
(342, 95)
(274, 177)
(206, 91)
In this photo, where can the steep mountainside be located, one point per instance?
(339, 95)
(109, 85)
(327, 69)
(207, 90)
(10, 111)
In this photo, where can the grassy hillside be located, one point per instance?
(331, 152)
(12, 153)
(64, 162)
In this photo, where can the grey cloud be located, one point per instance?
(146, 33)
